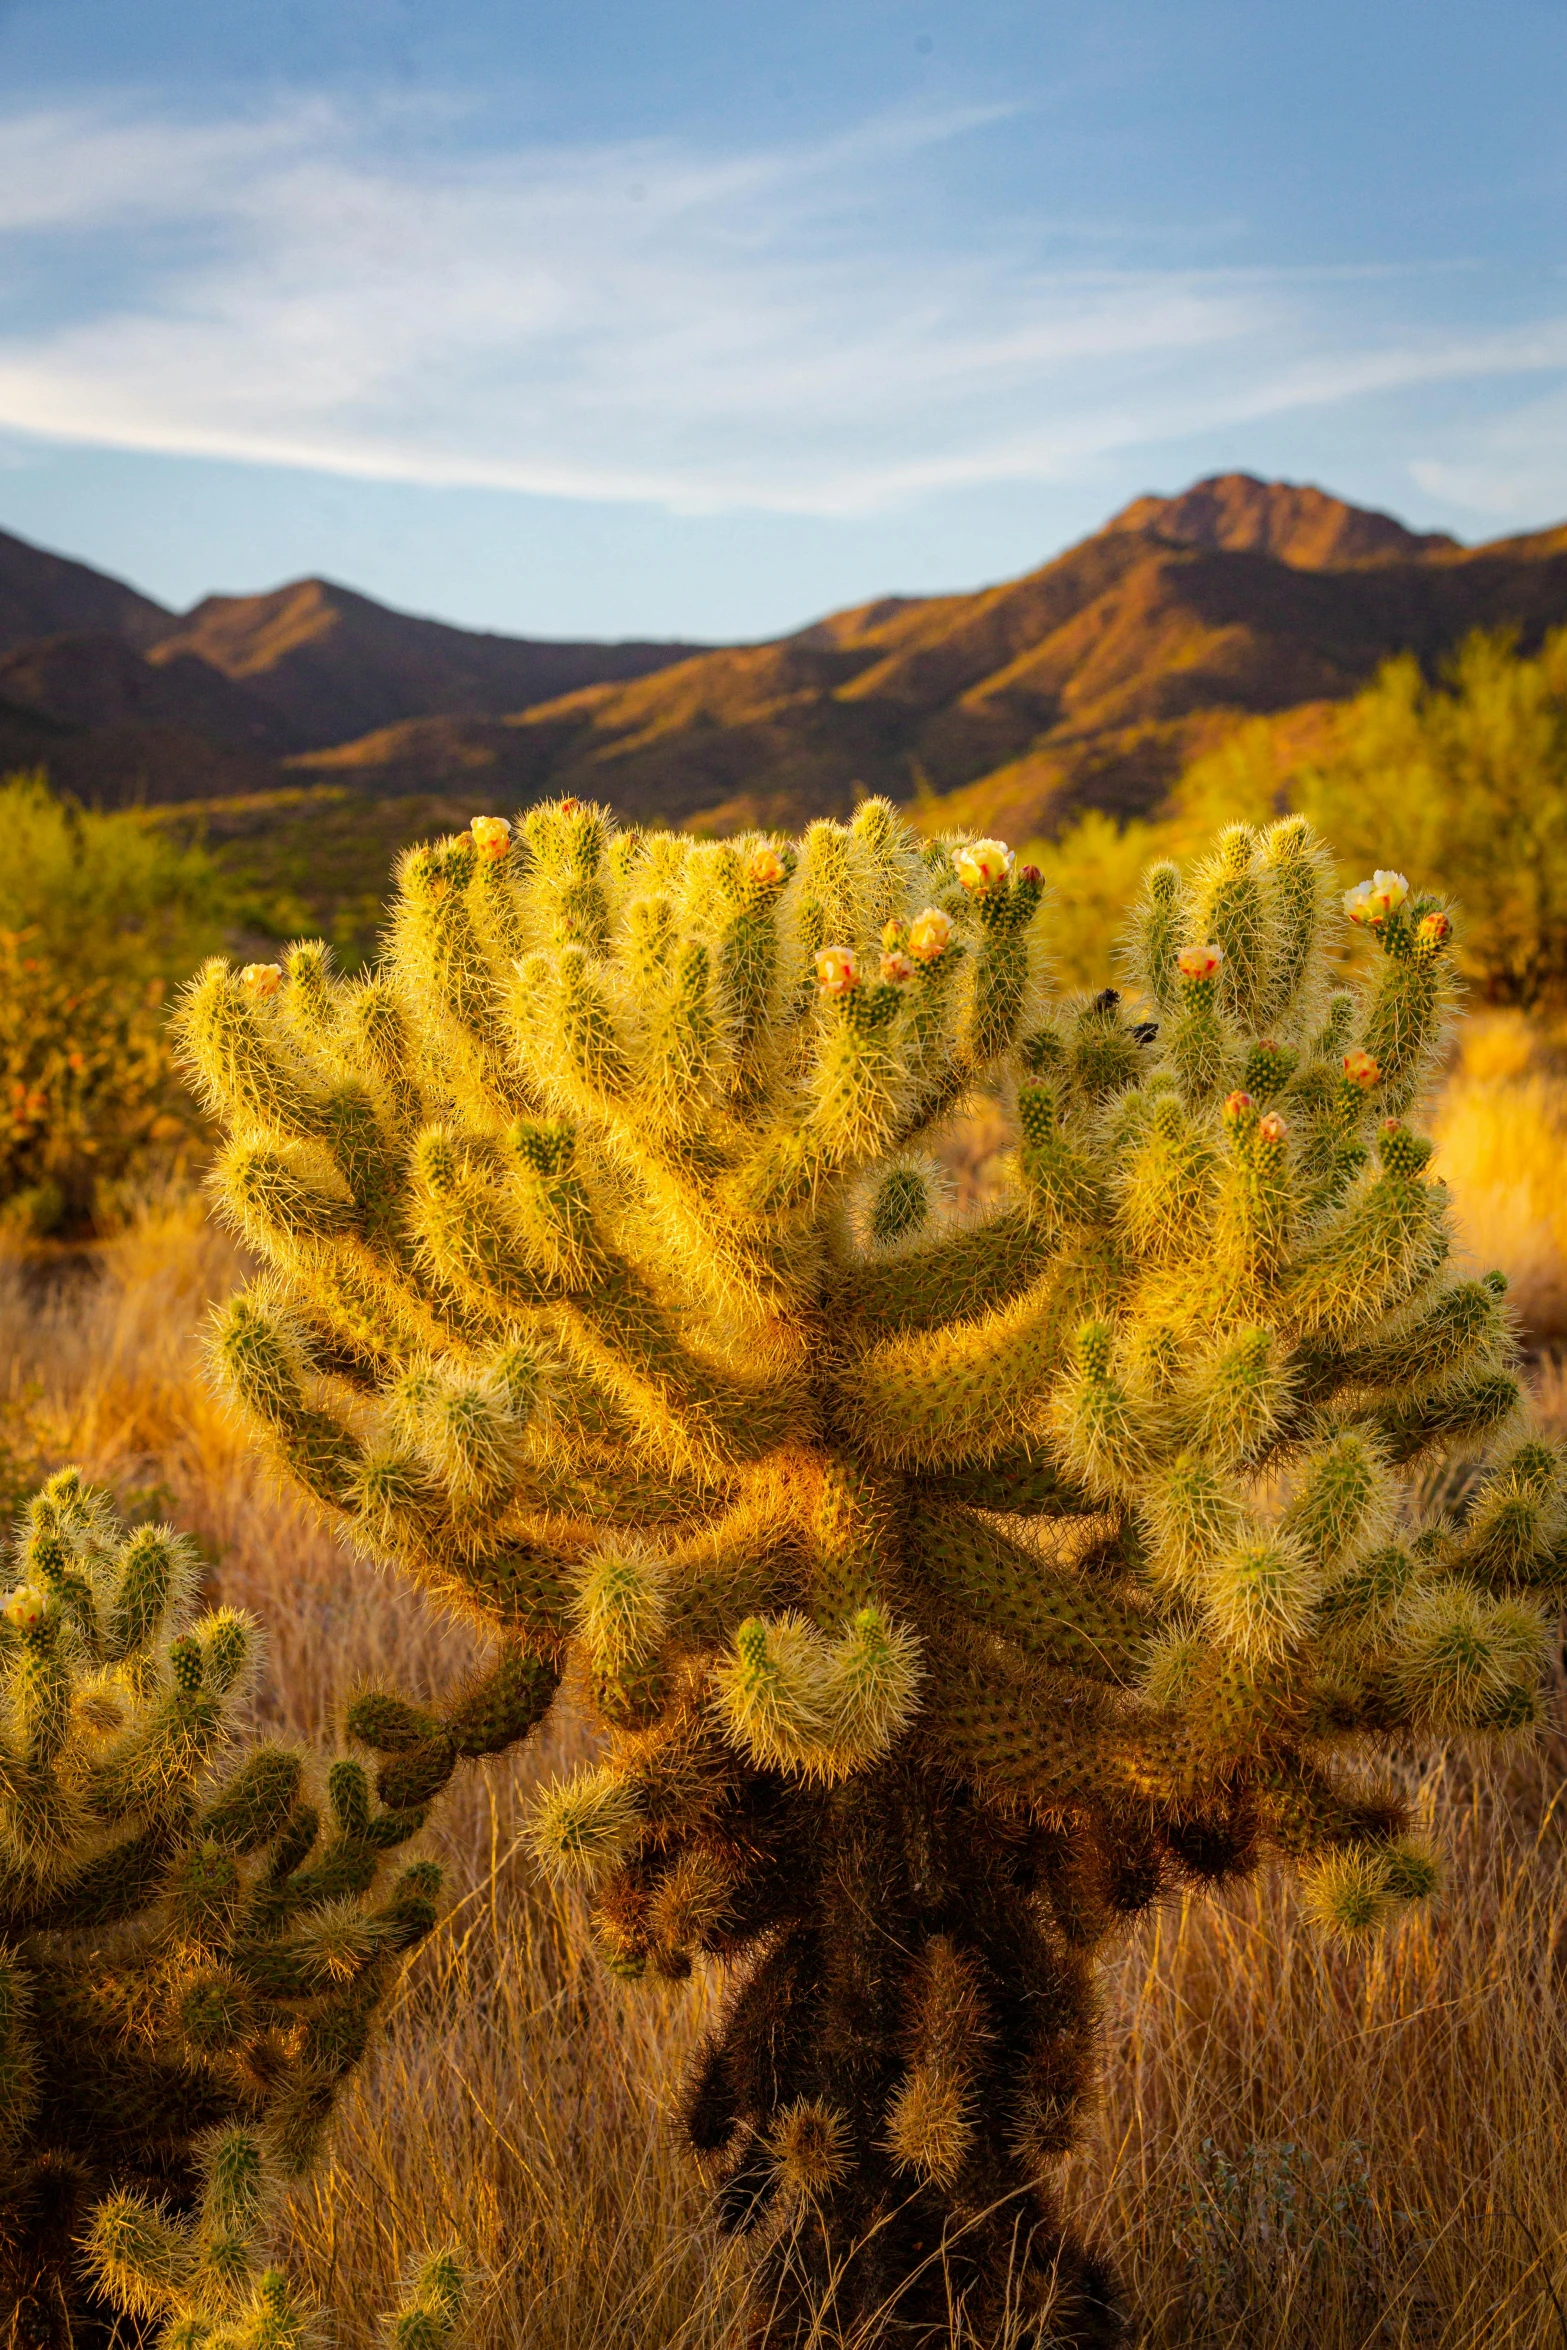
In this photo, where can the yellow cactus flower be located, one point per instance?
(896, 968)
(767, 867)
(26, 1606)
(261, 979)
(983, 865)
(837, 971)
(491, 835)
(930, 934)
(1371, 902)
(1361, 1069)
(1199, 962)
(1271, 1128)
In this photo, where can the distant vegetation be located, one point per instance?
(99, 916)
(1463, 780)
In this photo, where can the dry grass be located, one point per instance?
(1294, 2146)
(1501, 1124)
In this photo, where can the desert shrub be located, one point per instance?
(945, 1589)
(99, 914)
(1467, 771)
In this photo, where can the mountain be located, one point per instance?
(122, 699)
(1290, 520)
(97, 681)
(329, 664)
(1089, 681)
(47, 595)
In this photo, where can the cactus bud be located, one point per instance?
(982, 866)
(930, 934)
(491, 836)
(837, 971)
(26, 1607)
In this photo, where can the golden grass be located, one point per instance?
(1501, 1128)
(1294, 2146)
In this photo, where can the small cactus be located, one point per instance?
(207, 2278)
(194, 1938)
(947, 1587)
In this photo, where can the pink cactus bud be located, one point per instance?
(261, 979)
(929, 935)
(1238, 1105)
(491, 835)
(982, 865)
(569, 807)
(1029, 873)
(837, 972)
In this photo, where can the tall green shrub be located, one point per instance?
(945, 1589)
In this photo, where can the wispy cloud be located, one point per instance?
(777, 329)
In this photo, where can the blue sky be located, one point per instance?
(701, 319)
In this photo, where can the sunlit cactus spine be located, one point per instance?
(946, 1586)
(205, 2280)
(194, 1934)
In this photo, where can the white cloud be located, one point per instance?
(772, 329)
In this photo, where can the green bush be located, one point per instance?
(1468, 773)
(98, 914)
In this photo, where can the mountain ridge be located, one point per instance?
(295, 667)
(1087, 681)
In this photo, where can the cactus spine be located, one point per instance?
(946, 1588)
(194, 1939)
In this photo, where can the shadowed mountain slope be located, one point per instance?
(329, 664)
(1091, 680)
(97, 681)
(122, 699)
(48, 595)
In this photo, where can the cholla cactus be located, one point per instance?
(206, 2277)
(185, 1941)
(946, 1587)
